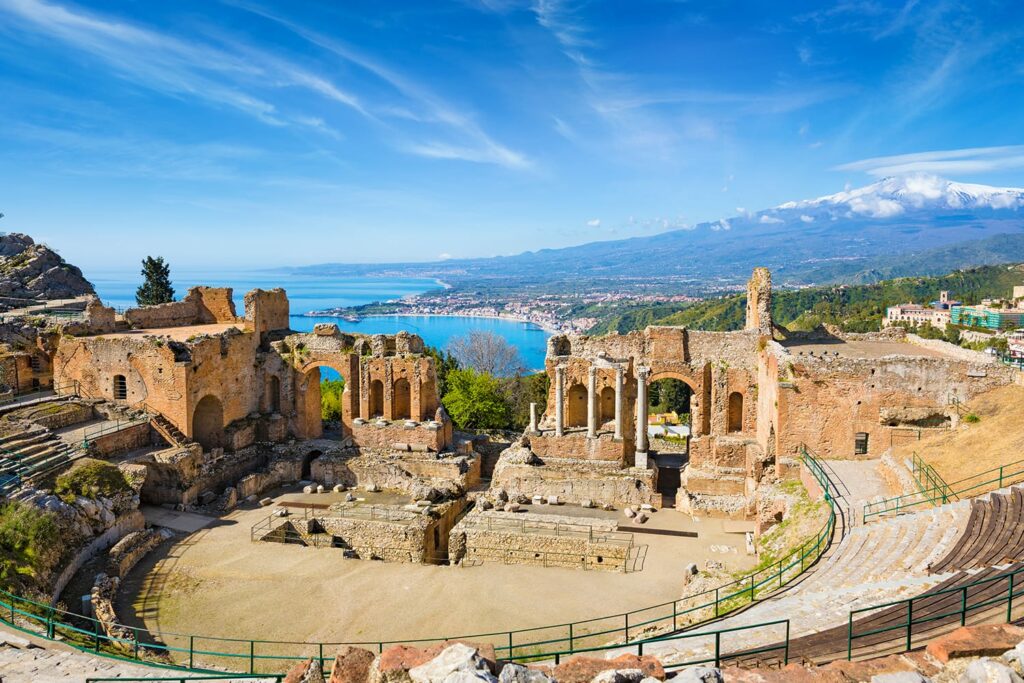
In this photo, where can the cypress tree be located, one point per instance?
(156, 286)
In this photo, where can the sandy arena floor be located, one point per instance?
(217, 582)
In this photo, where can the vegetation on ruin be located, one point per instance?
(91, 478)
(156, 282)
(330, 399)
(475, 400)
(29, 545)
(858, 308)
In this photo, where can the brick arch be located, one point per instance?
(208, 422)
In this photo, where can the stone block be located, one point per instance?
(320, 488)
(986, 640)
(554, 500)
(629, 512)
(583, 669)
(987, 670)
(351, 665)
(307, 489)
(511, 507)
(266, 501)
(587, 503)
(699, 674)
(339, 488)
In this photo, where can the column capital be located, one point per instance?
(643, 372)
(592, 370)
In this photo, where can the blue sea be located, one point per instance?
(306, 293)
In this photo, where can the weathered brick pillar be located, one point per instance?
(592, 403)
(619, 398)
(559, 400)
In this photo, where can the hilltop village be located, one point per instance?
(167, 440)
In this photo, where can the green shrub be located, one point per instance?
(971, 418)
(475, 400)
(91, 478)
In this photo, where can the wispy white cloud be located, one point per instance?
(183, 69)
(466, 139)
(967, 160)
(594, 223)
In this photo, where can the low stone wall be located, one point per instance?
(385, 434)
(543, 540)
(408, 472)
(575, 482)
(59, 414)
(127, 552)
(200, 305)
(576, 445)
(952, 350)
(133, 521)
(135, 436)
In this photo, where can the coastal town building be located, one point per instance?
(937, 313)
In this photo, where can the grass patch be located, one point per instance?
(91, 478)
(971, 418)
(29, 545)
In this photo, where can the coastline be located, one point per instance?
(510, 318)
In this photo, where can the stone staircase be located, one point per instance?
(168, 431)
(31, 453)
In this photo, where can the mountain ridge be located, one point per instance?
(848, 234)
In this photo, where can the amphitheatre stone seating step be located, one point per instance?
(879, 562)
(995, 532)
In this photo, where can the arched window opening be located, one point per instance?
(735, 412)
(120, 388)
(376, 398)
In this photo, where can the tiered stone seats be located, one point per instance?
(995, 533)
(26, 454)
(878, 562)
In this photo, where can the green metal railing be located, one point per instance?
(952, 605)
(87, 634)
(1012, 361)
(93, 433)
(938, 492)
(928, 479)
(542, 642)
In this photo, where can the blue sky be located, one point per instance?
(258, 133)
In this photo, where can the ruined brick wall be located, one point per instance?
(151, 371)
(388, 382)
(213, 304)
(222, 367)
(715, 365)
(575, 482)
(759, 302)
(266, 310)
(492, 536)
(200, 305)
(825, 402)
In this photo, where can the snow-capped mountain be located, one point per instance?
(894, 196)
(897, 226)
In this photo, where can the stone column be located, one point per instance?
(559, 400)
(533, 418)
(641, 416)
(592, 404)
(618, 403)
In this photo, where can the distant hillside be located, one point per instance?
(855, 308)
(34, 271)
(894, 227)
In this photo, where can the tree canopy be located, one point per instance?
(156, 284)
(488, 353)
(475, 400)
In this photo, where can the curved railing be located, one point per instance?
(628, 629)
(934, 491)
